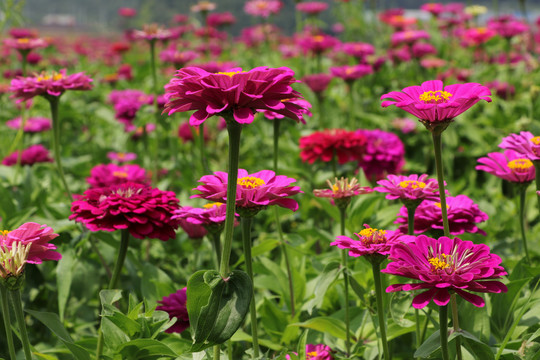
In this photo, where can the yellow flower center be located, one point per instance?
(439, 263)
(23, 41)
(250, 182)
(120, 174)
(413, 184)
(54, 76)
(536, 140)
(318, 38)
(435, 97)
(520, 165)
(311, 354)
(121, 155)
(262, 5)
(229, 73)
(4, 232)
(438, 204)
(211, 205)
(371, 231)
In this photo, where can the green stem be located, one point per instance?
(54, 101)
(7, 322)
(277, 122)
(443, 329)
(216, 237)
(229, 350)
(437, 147)
(344, 255)
(411, 209)
(19, 315)
(155, 148)
(235, 130)
(246, 240)
(424, 328)
(122, 252)
(537, 168)
(376, 268)
(522, 193)
(24, 61)
(202, 149)
(455, 323)
(352, 105)
(216, 352)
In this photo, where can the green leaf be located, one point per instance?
(321, 284)
(259, 249)
(129, 326)
(112, 334)
(432, 344)
(216, 306)
(326, 325)
(155, 284)
(400, 304)
(142, 348)
(108, 298)
(474, 345)
(503, 306)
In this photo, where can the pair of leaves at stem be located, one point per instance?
(217, 306)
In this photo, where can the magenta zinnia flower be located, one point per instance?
(175, 306)
(408, 37)
(384, 153)
(263, 8)
(510, 166)
(25, 44)
(409, 188)
(463, 216)
(525, 143)
(350, 73)
(317, 82)
(144, 211)
(104, 175)
(312, 7)
(323, 145)
(32, 125)
(445, 265)
(256, 190)
(30, 156)
(121, 157)
(237, 93)
(35, 235)
(342, 189)
(432, 102)
(48, 84)
(371, 242)
(316, 352)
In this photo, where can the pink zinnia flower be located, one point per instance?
(48, 84)
(185, 132)
(350, 73)
(477, 36)
(503, 89)
(525, 143)
(317, 82)
(209, 214)
(323, 145)
(312, 7)
(25, 44)
(434, 9)
(175, 306)
(316, 352)
(203, 6)
(263, 8)
(35, 235)
(235, 92)
(408, 37)
(30, 156)
(432, 102)
(384, 153)
(220, 19)
(193, 231)
(507, 26)
(144, 211)
(445, 265)
(341, 188)
(510, 166)
(121, 157)
(178, 58)
(409, 188)
(32, 125)
(304, 105)
(371, 242)
(104, 175)
(256, 190)
(358, 49)
(127, 12)
(463, 216)
(153, 32)
(318, 43)
(422, 49)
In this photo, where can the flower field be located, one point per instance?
(362, 187)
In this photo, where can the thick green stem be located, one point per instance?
(376, 268)
(158, 125)
(235, 130)
(122, 252)
(216, 243)
(19, 315)
(443, 329)
(277, 122)
(455, 324)
(216, 352)
(537, 168)
(229, 350)
(344, 258)
(7, 322)
(54, 101)
(437, 147)
(246, 240)
(202, 149)
(522, 193)
(411, 209)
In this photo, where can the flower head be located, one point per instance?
(358, 49)
(432, 102)
(510, 166)
(263, 8)
(312, 7)
(408, 37)
(524, 143)
(48, 84)
(370, 242)
(316, 352)
(304, 104)
(127, 12)
(121, 157)
(384, 153)
(445, 265)
(25, 44)
(175, 306)
(32, 125)
(409, 188)
(104, 175)
(317, 82)
(324, 145)
(153, 32)
(235, 92)
(36, 237)
(144, 211)
(351, 73)
(342, 188)
(32, 155)
(256, 190)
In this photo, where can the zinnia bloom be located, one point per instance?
(342, 189)
(510, 166)
(463, 216)
(312, 7)
(104, 175)
(48, 84)
(408, 37)
(433, 103)
(25, 44)
(358, 49)
(256, 190)
(445, 265)
(35, 235)
(121, 157)
(317, 82)
(153, 32)
(525, 143)
(144, 211)
(323, 145)
(304, 104)
(32, 125)
(316, 352)
(384, 153)
(175, 306)
(30, 156)
(350, 73)
(236, 92)
(263, 8)
(370, 242)
(409, 188)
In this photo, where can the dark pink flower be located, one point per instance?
(351, 73)
(384, 153)
(194, 231)
(185, 132)
(175, 306)
(477, 36)
(30, 156)
(503, 89)
(127, 12)
(434, 9)
(421, 49)
(409, 188)
(443, 266)
(154, 32)
(312, 7)
(127, 103)
(48, 84)
(304, 104)
(463, 216)
(525, 143)
(32, 125)
(220, 19)
(317, 82)
(358, 49)
(105, 175)
(317, 44)
(510, 166)
(178, 58)
(263, 8)
(507, 26)
(236, 92)
(408, 37)
(209, 214)
(341, 188)
(371, 242)
(121, 157)
(21, 33)
(25, 44)
(38, 236)
(255, 190)
(316, 352)
(144, 211)
(433, 103)
(324, 145)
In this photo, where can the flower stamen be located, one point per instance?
(435, 97)
(413, 184)
(520, 166)
(250, 182)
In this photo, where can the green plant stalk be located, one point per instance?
(216, 243)
(122, 252)
(204, 163)
(455, 322)
(344, 255)
(229, 350)
(522, 193)
(216, 352)
(155, 91)
(19, 315)
(352, 105)
(411, 209)
(54, 102)
(437, 147)
(7, 322)
(246, 240)
(234, 129)
(282, 244)
(443, 329)
(376, 268)
(537, 180)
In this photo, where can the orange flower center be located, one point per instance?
(54, 76)
(23, 41)
(435, 97)
(520, 166)
(211, 205)
(120, 174)
(262, 5)
(4, 232)
(318, 38)
(372, 236)
(536, 140)
(413, 184)
(311, 354)
(250, 182)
